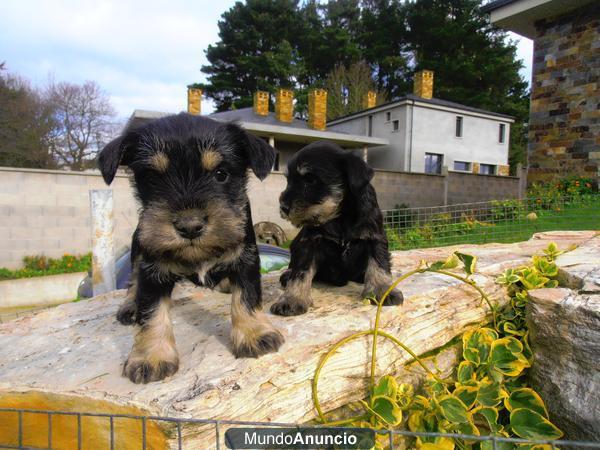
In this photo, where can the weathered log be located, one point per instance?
(70, 357)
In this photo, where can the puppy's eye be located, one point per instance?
(221, 176)
(309, 178)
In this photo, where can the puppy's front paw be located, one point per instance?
(255, 338)
(127, 311)
(285, 277)
(394, 298)
(140, 370)
(289, 306)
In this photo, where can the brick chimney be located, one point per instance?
(317, 109)
(369, 100)
(194, 100)
(261, 103)
(284, 105)
(423, 84)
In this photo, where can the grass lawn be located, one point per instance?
(583, 215)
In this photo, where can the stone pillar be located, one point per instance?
(446, 181)
(284, 105)
(564, 121)
(103, 248)
(261, 103)
(423, 84)
(503, 171)
(317, 109)
(194, 97)
(369, 100)
(475, 168)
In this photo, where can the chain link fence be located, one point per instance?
(41, 429)
(493, 221)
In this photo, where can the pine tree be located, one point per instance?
(257, 50)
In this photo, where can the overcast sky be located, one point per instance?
(143, 53)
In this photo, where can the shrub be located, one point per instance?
(39, 266)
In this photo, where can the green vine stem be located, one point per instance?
(376, 332)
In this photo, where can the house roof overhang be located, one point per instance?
(282, 132)
(520, 16)
(433, 103)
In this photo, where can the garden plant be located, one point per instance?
(488, 393)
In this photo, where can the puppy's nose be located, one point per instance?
(188, 227)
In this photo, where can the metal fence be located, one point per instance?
(492, 221)
(47, 436)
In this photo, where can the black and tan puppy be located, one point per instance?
(189, 175)
(342, 238)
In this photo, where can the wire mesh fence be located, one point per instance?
(45, 429)
(492, 221)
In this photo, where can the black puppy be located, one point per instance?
(342, 238)
(189, 175)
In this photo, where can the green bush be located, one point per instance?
(507, 210)
(39, 266)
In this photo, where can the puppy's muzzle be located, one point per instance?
(189, 225)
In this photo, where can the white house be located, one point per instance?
(426, 134)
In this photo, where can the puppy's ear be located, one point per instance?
(358, 172)
(260, 155)
(110, 158)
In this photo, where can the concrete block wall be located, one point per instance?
(47, 212)
(468, 187)
(413, 189)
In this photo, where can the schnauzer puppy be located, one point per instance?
(189, 175)
(342, 238)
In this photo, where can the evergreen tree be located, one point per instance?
(474, 64)
(257, 50)
(383, 42)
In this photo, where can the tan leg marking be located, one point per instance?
(296, 298)
(153, 356)
(377, 282)
(252, 335)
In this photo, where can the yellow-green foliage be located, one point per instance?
(488, 394)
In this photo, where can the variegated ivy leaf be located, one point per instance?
(386, 409)
(490, 414)
(490, 392)
(508, 277)
(526, 398)
(477, 344)
(405, 394)
(453, 409)
(466, 394)
(552, 251)
(529, 424)
(507, 357)
(469, 262)
(387, 386)
(465, 372)
(545, 267)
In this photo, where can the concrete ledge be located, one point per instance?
(39, 291)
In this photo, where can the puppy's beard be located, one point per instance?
(318, 214)
(223, 232)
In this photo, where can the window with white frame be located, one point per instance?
(388, 116)
(487, 169)
(433, 163)
(459, 126)
(395, 125)
(462, 166)
(501, 132)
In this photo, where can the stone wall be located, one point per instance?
(564, 127)
(47, 212)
